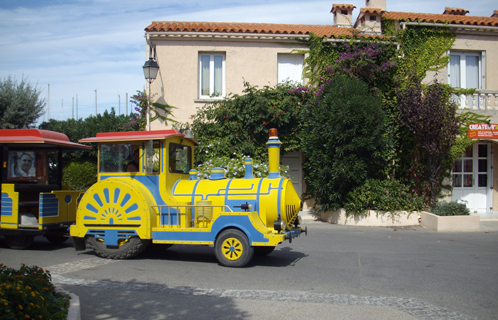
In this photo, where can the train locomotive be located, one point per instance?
(162, 201)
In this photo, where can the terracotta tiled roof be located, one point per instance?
(249, 28)
(336, 7)
(442, 18)
(455, 11)
(371, 10)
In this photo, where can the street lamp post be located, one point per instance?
(150, 72)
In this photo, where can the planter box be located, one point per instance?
(372, 218)
(450, 223)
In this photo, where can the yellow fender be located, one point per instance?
(116, 204)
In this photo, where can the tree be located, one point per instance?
(344, 140)
(430, 116)
(239, 124)
(20, 103)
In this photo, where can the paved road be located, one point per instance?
(337, 272)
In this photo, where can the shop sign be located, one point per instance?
(483, 131)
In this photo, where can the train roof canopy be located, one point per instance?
(136, 136)
(37, 138)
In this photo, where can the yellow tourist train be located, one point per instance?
(148, 192)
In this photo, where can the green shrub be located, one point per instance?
(382, 195)
(28, 293)
(80, 175)
(344, 139)
(450, 209)
(240, 123)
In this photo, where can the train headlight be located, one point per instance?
(279, 225)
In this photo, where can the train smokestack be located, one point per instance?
(274, 154)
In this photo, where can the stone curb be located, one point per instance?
(74, 312)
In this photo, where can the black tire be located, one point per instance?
(263, 251)
(232, 249)
(19, 242)
(56, 239)
(127, 249)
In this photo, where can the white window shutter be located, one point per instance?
(290, 67)
(483, 69)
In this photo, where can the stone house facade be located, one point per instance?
(201, 61)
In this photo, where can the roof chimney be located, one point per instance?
(369, 20)
(380, 4)
(455, 11)
(343, 14)
(495, 14)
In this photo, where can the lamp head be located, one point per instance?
(150, 69)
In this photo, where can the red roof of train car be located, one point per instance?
(135, 136)
(38, 137)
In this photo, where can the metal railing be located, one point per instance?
(186, 213)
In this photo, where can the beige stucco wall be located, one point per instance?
(177, 81)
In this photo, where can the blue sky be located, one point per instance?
(78, 46)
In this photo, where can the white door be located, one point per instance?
(472, 179)
(294, 160)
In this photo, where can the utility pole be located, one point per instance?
(77, 107)
(119, 104)
(73, 108)
(127, 103)
(48, 102)
(62, 108)
(95, 102)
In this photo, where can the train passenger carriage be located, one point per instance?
(34, 201)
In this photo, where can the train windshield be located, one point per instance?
(113, 157)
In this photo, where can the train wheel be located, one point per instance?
(263, 251)
(19, 242)
(56, 239)
(128, 248)
(232, 249)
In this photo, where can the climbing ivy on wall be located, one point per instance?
(422, 49)
(321, 55)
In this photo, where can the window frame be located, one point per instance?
(212, 55)
(173, 148)
(463, 67)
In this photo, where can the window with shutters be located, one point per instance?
(290, 68)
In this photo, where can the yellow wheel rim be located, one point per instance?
(120, 241)
(232, 249)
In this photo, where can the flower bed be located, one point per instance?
(28, 293)
(462, 223)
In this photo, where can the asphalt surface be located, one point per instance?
(337, 272)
